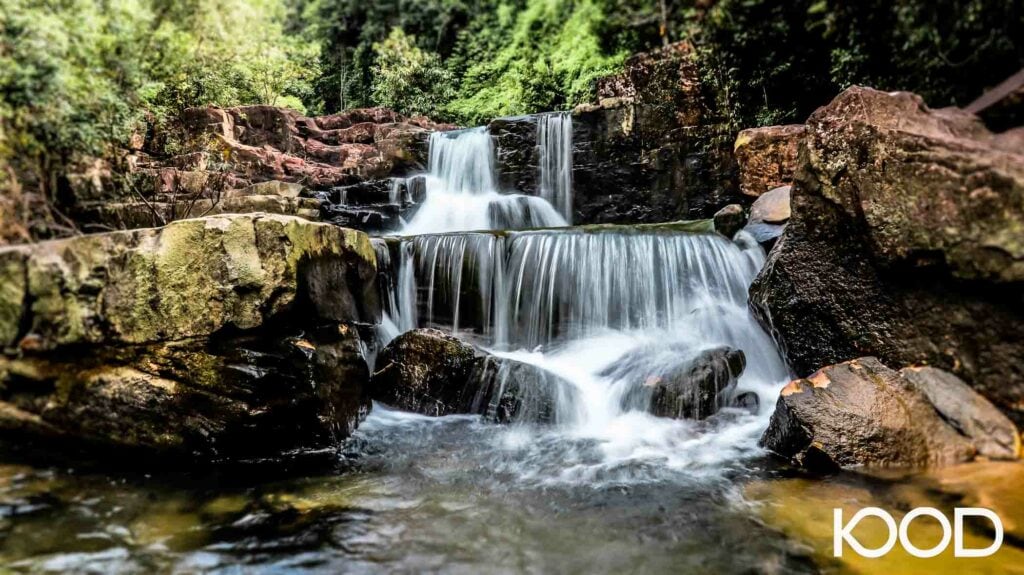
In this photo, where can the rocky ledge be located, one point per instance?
(224, 337)
(905, 242)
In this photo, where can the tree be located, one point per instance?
(409, 79)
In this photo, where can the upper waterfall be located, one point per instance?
(463, 194)
(554, 142)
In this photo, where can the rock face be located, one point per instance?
(429, 372)
(861, 413)
(652, 149)
(250, 159)
(767, 157)
(195, 339)
(694, 389)
(914, 257)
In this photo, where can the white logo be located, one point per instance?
(842, 533)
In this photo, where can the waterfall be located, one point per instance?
(554, 142)
(462, 192)
(538, 295)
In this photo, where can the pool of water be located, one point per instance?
(457, 495)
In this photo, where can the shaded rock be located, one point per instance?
(772, 207)
(653, 148)
(429, 372)
(767, 157)
(270, 188)
(663, 381)
(729, 220)
(254, 396)
(214, 338)
(914, 257)
(862, 413)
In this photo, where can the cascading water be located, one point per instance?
(554, 143)
(598, 309)
(462, 191)
(578, 303)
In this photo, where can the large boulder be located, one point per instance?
(861, 413)
(767, 157)
(194, 339)
(664, 381)
(429, 372)
(905, 243)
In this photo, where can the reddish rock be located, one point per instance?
(906, 243)
(767, 157)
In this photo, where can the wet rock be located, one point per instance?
(729, 220)
(133, 215)
(664, 382)
(767, 157)
(861, 413)
(509, 391)
(429, 372)
(748, 401)
(425, 371)
(211, 338)
(772, 207)
(915, 257)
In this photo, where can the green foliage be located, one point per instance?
(409, 78)
(774, 63)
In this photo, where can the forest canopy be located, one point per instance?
(80, 77)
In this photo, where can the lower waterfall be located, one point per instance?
(583, 303)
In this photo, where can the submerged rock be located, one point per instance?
(182, 340)
(861, 413)
(429, 372)
(661, 381)
(915, 256)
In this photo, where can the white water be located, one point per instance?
(578, 303)
(554, 142)
(463, 193)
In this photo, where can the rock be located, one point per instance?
(767, 157)
(133, 215)
(729, 220)
(424, 371)
(270, 188)
(191, 278)
(509, 391)
(861, 413)
(973, 416)
(663, 381)
(429, 372)
(772, 207)
(914, 257)
(748, 401)
(211, 338)
(653, 149)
